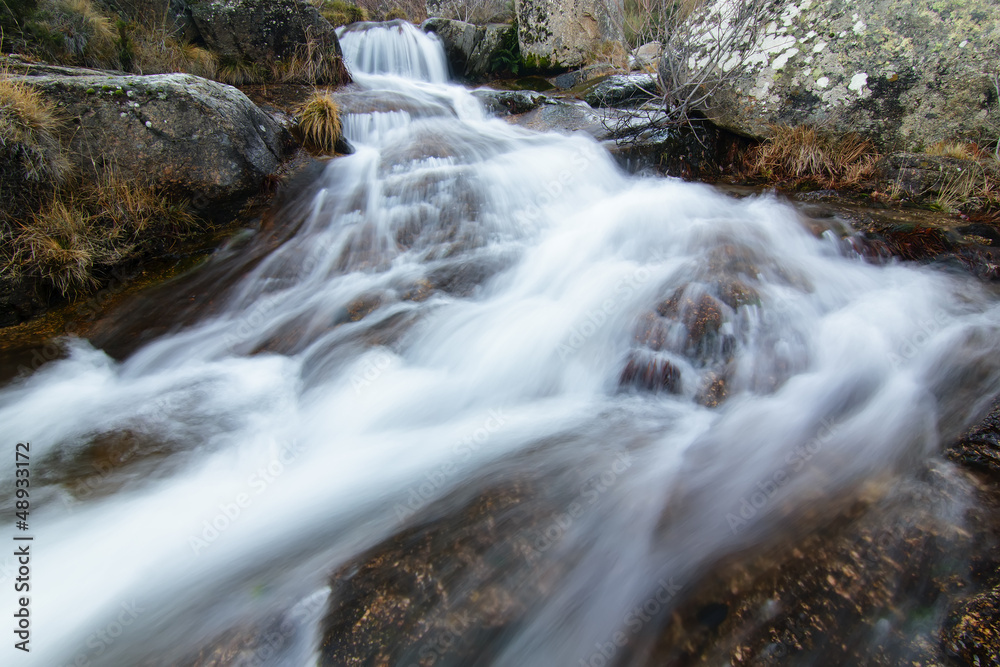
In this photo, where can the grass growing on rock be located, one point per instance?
(28, 131)
(803, 156)
(339, 13)
(318, 124)
(61, 229)
(86, 227)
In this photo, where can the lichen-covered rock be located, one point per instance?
(906, 74)
(472, 50)
(262, 30)
(559, 34)
(194, 138)
(974, 636)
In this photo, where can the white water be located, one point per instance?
(323, 425)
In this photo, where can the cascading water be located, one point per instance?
(462, 298)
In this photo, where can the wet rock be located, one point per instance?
(648, 372)
(620, 90)
(434, 592)
(979, 448)
(196, 139)
(566, 118)
(556, 35)
(472, 50)
(905, 74)
(869, 588)
(510, 102)
(974, 637)
(645, 139)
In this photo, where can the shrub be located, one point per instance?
(318, 124)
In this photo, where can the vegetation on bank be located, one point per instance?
(803, 158)
(58, 227)
(86, 34)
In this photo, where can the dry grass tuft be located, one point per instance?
(609, 53)
(92, 226)
(313, 63)
(156, 52)
(28, 128)
(57, 246)
(241, 73)
(339, 13)
(953, 149)
(319, 124)
(803, 154)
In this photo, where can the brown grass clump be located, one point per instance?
(953, 149)
(804, 155)
(156, 52)
(313, 63)
(91, 226)
(318, 124)
(57, 245)
(28, 129)
(339, 13)
(609, 53)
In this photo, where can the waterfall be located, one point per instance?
(462, 299)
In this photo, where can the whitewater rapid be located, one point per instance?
(461, 292)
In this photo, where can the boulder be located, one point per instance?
(905, 74)
(646, 56)
(261, 30)
(561, 34)
(620, 90)
(510, 102)
(196, 139)
(473, 51)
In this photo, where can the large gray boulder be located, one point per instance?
(193, 138)
(472, 50)
(559, 34)
(261, 30)
(906, 74)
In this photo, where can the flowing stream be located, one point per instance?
(460, 299)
